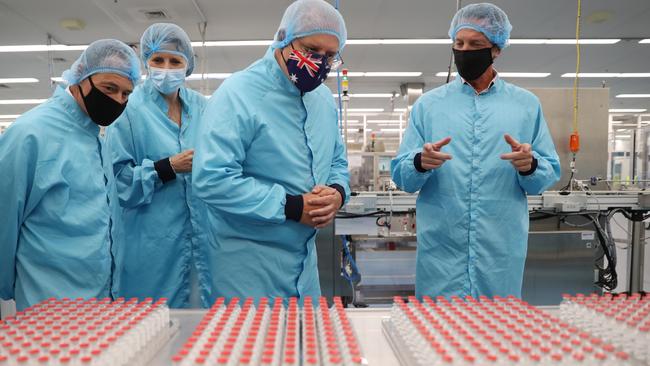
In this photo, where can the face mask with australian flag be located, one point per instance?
(307, 70)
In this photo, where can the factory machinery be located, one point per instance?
(570, 245)
(583, 330)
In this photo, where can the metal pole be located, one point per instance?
(401, 126)
(365, 131)
(636, 254)
(346, 100)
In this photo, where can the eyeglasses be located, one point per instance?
(334, 61)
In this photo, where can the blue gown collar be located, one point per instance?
(468, 89)
(73, 108)
(277, 74)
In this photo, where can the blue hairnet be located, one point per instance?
(167, 38)
(308, 17)
(485, 18)
(105, 56)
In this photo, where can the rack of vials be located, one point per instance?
(85, 332)
(608, 330)
(621, 320)
(278, 333)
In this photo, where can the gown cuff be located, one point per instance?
(533, 167)
(417, 162)
(293, 207)
(164, 169)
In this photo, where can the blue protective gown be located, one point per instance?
(56, 205)
(472, 212)
(163, 233)
(260, 141)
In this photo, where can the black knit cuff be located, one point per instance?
(533, 167)
(293, 207)
(164, 169)
(341, 191)
(417, 162)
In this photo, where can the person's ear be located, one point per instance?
(85, 86)
(496, 52)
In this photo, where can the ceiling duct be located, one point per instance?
(155, 14)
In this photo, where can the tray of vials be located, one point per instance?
(272, 332)
(621, 320)
(498, 331)
(85, 332)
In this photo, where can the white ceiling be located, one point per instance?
(29, 22)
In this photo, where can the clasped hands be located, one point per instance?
(320, 206)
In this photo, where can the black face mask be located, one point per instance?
(472, 64)
(101, 108)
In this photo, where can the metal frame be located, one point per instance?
(635, 203)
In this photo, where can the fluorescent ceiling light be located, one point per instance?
(623, 136)
(405, 74)
(443, 74)
(399, 110)
(370, 41)
(398, 74)
(524, 74)
(384, 121)
(608, 75)
(572, 41)
(193, 77)
(389, 129)
(350, 74)
(367, 95)
(215, 75)
(9, 116)
(633, 96)
(591, 75)
(399, 41)
(413, 41)
(41, 48)
(233, 43)
(365, 109)
(627, 110)
(647, 40)
(21, 101)
(634, 75)
(375, 41)
(17, 80)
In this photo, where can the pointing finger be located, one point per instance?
(512, 142)
(438, 145)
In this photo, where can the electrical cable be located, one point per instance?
(338, 86)
(607, 276)
(350, 270)
(574, 142)
(451, 57)
(345, 215)
(576, 79)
